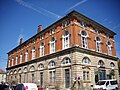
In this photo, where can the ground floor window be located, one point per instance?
(41, 79)
(33, 77)
(85, 75)
(67, 78)
(52, 75)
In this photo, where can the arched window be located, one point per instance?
(52, 45)
(86, 60)
(109, 48)
(112, 65)
(21, 57)
(84, 39)
(66, 40)
(42, 49)
(101, 63)
(32, 68)
(16, 62)
(66, 61)
(51, 64)
(40, 66)
(26, 56)
(98, 44)
(33, 53)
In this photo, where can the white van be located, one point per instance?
(106, 85)
(26, 86)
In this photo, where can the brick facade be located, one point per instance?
(74, 38)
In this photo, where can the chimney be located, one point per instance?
(39, 28)
(21, 40)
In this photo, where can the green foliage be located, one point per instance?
(118, 63)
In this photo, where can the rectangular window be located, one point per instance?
(32, 78)
(21, 58)
(50, 76)
(67, 78)
(84, 43)
(85, 75)
(41, 50)
(41, 79)
(16, 60)
(52, 47)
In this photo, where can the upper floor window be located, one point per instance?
(52, 31)
(84, 39)
(9, 63)
(26, 56)
(65, 23)
(66, 40)
(83, 23)
(42, 36)
(66, 61)
(42, 49)
(109, 48)
(16, 60)
(33, 53)
(34, 40)
(51, 64)
(86, 60)
(52, 45)
(12, 61)
(98, 44)
(21, 57)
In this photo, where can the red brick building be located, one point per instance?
(74, 46)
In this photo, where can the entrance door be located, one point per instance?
(102, 75)
(41, 79)
(67, 78)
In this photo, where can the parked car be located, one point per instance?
(26, 86)
(4, 87)
(106, 85)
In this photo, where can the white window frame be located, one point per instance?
(12, 61)
(86, 75)
(109, 48)
(86, 60)
(66, 40)
(16, 62)
(98, 47)
(41, 49)
(84, 40)
(52, 75)
(21, 57)
(26, 56)
(33, 53)
(52, 46)
(51, 64)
